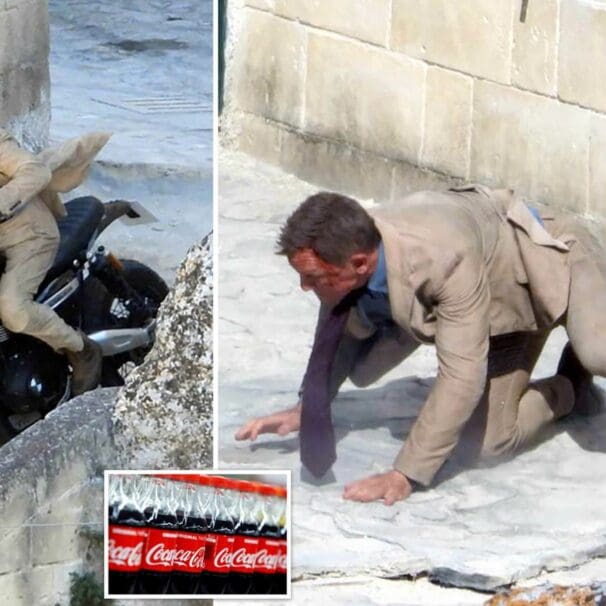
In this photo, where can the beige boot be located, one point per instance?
(86, 366)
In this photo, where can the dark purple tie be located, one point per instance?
(317, 436)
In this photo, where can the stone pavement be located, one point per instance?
(477, 528)
(143, 70)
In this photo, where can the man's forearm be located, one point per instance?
(436, 431)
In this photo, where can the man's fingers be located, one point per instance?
(255, 430)
(359, 491)
(243, 432)
(391, 496)
(250, 431)
(283, 429)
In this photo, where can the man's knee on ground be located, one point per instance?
(496, 447)
(13, 313)
(592, 356)
(360, 377)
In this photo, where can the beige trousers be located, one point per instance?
(29, 241)
(512, 411)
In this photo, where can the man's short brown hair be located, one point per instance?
(333, 226)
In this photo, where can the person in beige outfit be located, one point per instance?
(484, 278)
(29, 239)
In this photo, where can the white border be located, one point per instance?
(201, 596)
(215, 203)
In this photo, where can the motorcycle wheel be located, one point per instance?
(149, 285)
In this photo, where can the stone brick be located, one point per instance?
(267, 5)
(269, 67)
(14, 550)
(532, 143)
(253, 135)
(56, 533)
(408, 179)
(43, 586)
(582, 56)
(13, 517)
(364, 19)
(535, 48)
(473, 36)
(448, 110)
(337, 166)
(15, 589)
(58, 592)
(362, 95)
(24, 34)
(72, 479)
(329, 164)
(596, 204)
(22, 90)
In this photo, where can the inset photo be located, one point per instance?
(190, 533)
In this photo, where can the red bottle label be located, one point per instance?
(244, 554)
(189, 554)
(268, 555)
(218, 553)
(282, 557)
(160, 551)
(125, 548)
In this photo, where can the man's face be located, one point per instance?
(330, 282)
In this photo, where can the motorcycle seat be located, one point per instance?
(76, 229)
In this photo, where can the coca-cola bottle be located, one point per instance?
(269, 513)
(161, 521)
(280, 582)
(191, 536)
(126, 533)
(246, 539)
(220, 539)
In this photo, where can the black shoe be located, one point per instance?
(86, 366)
(588, 398)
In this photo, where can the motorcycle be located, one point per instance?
(114, 301)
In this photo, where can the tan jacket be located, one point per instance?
(462, 266)
(57, 169)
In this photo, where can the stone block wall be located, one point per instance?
(24, 72)
(380, 97)
(51, 501)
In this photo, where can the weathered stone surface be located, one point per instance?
(364, 19)
(483, 527)
(164, 414)
(596, 205)
(364, 96)
(28, 39)
(331, 164)
(448, 112)
(262, 4)
(408, 178)
(535, 48)
(269, 67)
(473, 36)
(250, 132)
(24, 74)
(337, 166)
(582, 63)
(55, 531)
(534, 144)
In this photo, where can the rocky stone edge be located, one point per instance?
(164, 414)
(552, 595)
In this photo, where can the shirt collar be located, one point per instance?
(378, 280)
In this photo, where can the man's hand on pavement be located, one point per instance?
(282, 423)
(391, 486)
